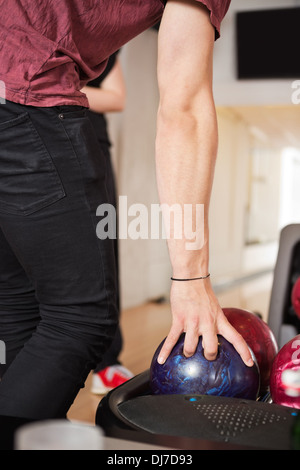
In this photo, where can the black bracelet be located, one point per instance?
(192, 279)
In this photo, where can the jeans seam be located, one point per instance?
(87, 202)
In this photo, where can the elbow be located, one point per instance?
(190, 120)
(185, 109)
(175, 119)
(186, 97)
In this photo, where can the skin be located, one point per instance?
(186, 150)
(111, 97)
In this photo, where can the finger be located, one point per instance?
(169, 344)
(210, 345)
(191, 342)
(238, 343)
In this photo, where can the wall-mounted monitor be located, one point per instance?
(268, 44)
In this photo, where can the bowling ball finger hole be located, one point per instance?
(217, 356)
(203, 354)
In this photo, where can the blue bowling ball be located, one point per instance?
(226, 376)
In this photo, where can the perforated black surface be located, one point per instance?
(220, 419)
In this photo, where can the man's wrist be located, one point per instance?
(190, 270)
(190, 279)
(189, 264)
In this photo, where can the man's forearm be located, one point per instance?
(186, 149)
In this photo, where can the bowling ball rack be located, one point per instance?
(282, 319)
(211, 422)
(132, 412)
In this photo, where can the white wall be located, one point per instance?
(228, 90)
(240, 208)
(144, 264)
(229, 197)
(290, 188)
(145, 267)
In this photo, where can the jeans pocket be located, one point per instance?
(28, 178)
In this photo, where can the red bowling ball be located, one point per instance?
(259, 338)
(296, 297)
(288, 359)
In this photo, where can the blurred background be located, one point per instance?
(257, 183)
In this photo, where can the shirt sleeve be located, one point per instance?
(218, 10)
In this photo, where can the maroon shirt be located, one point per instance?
(49, 49)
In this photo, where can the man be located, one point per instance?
(107, 94)
(57, 281)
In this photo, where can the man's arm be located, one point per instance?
(111, 96)
(186, 149)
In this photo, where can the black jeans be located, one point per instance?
(99, 123)
(58, 311)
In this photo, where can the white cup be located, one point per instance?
(59, 435)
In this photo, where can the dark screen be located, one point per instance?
(268, 43)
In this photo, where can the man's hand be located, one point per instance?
(186, 150)
(196, 312)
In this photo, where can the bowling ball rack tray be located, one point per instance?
(132, 412)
